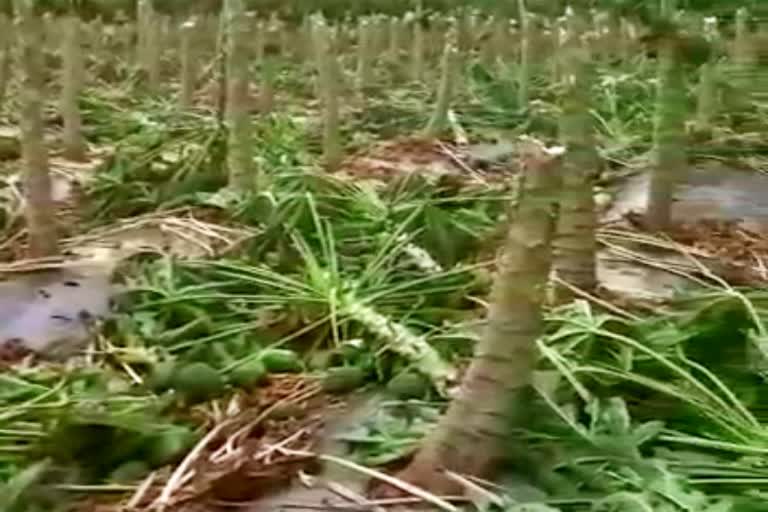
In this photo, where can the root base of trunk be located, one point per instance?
(421, 472)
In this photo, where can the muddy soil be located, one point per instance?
(710, 193)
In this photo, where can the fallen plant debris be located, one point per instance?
(724, 248)
(431, 160)
(245, 318)
(728, 242)
(248, 456)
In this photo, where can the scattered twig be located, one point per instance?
(461, 163)
(141, 491)
(384, 502)
(352, 496)
(597, 300)
(395, 482)
(483, 496)
(268, 451)
(164, 499)
(229, 448)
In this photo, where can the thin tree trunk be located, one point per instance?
(40, 216)
(706, 94)
(266, 99)
(669, 130)
(328, 82)
(154, 51)
(188, 64)
(742, 52)
(6, 36)
(149, 41)
(394, 41)
(448, 65)
(365, 34)
(417, 49)
(669, 138)
(239, 155)
(71, 82)
(524, 73)
(743, 67)
(574, 245)
(143, 8)
(470, 434)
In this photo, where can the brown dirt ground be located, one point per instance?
(429, 158)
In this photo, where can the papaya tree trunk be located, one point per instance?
(6, 38)
(365, 34)
(238, 119)
(525, 57)
(147, 51)
(669, 138)
(417, 48)
(669, 128)
(39, 212)
(71, 83)
(574, 246)
(470, 434)
(707, 90)
(188, 63)
(439, 119)
(328, 77)
(154, 50)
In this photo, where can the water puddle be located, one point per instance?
(711, 192)
(51, 312)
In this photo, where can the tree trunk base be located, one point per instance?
(422, 472)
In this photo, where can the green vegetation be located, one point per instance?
(341, 8)
(379, 280)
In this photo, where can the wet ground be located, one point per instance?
(711, 192)
(52, 311)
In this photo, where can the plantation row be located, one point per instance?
(259, 123)
(108, 9)
(386, 50)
